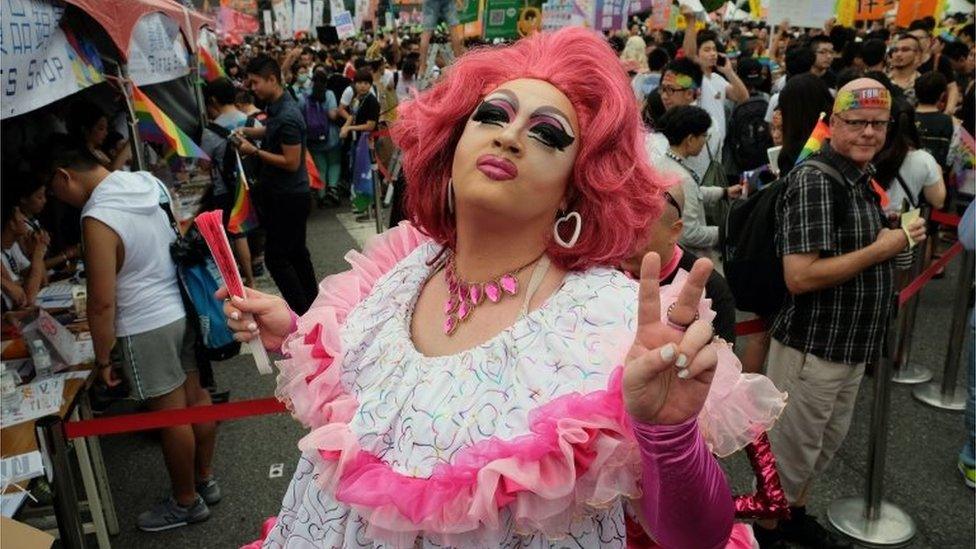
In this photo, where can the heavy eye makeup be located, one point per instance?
(543, 127)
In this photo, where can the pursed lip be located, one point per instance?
(496, 167)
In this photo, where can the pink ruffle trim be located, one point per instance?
(580, 452)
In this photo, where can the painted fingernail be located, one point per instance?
(683, 374)
(252, 326)
(236, 299)
(682, 361)
(235, 315)
(667, 352)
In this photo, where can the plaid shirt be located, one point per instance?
(845, 323)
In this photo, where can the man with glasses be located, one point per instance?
(823, 51)
(680, 86)
(903, 57)
(838, 270)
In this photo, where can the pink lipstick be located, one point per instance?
(497, 168)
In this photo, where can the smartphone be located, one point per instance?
(722, 60)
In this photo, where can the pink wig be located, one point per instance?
(611, 185)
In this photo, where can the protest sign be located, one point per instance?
(302, 16)
(282, 13)
(910, 11)
(41, 61)
(468, 11)
(343, 24)
(869, 10)
(660, 14)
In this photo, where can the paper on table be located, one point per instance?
(79, 374)
(9, 503)
(907, 219)
(21, 467)
(40, 398)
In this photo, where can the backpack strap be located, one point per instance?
(913, 200)
(223, 132)
(839, 187)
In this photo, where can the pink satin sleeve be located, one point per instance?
(687, 501)
(291, 329)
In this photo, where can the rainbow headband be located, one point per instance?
(864, 98)
(679, 80)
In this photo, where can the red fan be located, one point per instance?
(211, 227)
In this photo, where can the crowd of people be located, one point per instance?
(725, 113)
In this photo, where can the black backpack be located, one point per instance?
(227, 165)
(748, 136)
(935, 131)
(752, 268)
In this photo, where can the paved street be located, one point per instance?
(921, 474)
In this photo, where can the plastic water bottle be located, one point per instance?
(42, 360)
(10, 395)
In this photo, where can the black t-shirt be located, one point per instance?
(285, 126)
(716, 289)
(369, 109)
(945, 67)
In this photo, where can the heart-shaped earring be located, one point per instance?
(576, 231)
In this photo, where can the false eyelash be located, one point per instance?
(490, 114)
(552, 136)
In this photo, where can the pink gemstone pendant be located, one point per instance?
(475, 294)
(493, 292)
(509, 283)
(450, 324)
(463, 310)
(450, 305)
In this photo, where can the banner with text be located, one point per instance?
(501, 18)
(801, 13)
(41, 61)
(302, 16)
(344, 25)
(869, 10)
(282, 15)
(156, 51)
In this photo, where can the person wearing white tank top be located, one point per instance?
(135, 309)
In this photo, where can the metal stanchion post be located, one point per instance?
(947, 395)
(870, 519)
(53, 445)
(904, 371)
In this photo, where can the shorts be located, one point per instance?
(156, 362)
(436, 11)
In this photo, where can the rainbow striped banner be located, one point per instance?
(156, 127)
(820, 134)
(242, 216)
(210, 69)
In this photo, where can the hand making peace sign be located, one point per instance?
(668, 371)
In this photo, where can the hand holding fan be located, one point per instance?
(211, 228)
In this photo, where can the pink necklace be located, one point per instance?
(464, 296)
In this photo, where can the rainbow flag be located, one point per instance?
(155, 126)
(821, 133)
(210, 69)
(242, 216)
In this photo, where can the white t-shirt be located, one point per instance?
(713, 101)
(15, 261)
(918, 170)
(147, 294)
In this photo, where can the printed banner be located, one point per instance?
(268, 24)
(344, 25)
(41, 61)
(846, 10)
(611, 14)
(156, 51)
(282, 15)
(910, 11)
(869, 10)
(318, 13)
(302, 16)
(501, 18)
(557, 14)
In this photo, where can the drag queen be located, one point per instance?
(482, 377)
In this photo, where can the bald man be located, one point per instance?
(662, 237)
(838, 270)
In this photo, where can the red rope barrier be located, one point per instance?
(747, 327)
(916, 285)
(146, 421)
(949, 219)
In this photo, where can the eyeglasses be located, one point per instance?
(825, 52)
(906, 49)
(673, 202)
(861, 125)
(670, 90)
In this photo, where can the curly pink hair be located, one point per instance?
(612, 185)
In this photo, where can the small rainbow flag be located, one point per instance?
(821, 133)
(210, 69)
(155, 126)
(242, 217)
